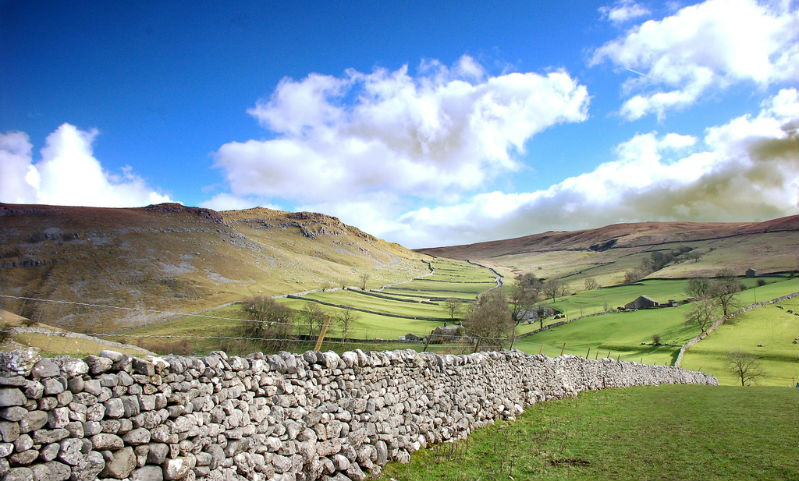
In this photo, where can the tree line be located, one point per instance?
(273, 323)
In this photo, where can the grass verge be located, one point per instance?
(653, 432)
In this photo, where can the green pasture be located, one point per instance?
(420, 294)
(436, 288)
(669, 432)
(662, 290)
(618, 335)
(591, 302)
(767, 332)
(218, 330)
(379, 304)
(369, 326)
(621, 334)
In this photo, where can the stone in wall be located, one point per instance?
(311, 416)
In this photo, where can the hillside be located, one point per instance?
(607, 252)
(169, 258)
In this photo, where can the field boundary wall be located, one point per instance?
(285, 417)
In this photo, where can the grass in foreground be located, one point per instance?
(654, 432)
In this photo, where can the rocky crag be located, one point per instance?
(278, 417)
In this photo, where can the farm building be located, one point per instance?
(642, 302)
(446, 333)
(535, 313)
(751, 272)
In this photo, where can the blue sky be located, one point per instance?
(423, 124)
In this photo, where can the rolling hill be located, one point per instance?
(156, 261)
(608, 252)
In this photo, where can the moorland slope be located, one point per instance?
(173, 258)
(608, 252)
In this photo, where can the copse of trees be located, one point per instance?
(657, 260)
(268, 321)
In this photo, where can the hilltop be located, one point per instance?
(606, 253)
(169, 258)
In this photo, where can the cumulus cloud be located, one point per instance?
(742, 170)
(67, 174)
(623, 11)
(439, 133)
(713, 44)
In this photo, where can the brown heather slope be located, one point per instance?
(173, 258)
(607, 252)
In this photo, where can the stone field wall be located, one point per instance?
(278, 417)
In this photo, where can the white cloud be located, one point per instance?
(67, 174)
(442, 132)
(15, 168)
(623, 11)
(713, 44)
(742, 170)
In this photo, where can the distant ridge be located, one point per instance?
(614, 236)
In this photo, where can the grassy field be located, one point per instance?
(767, 332)
(680, 432)
(219, 329)
(620, 335)
(662, 290)
(379, 304)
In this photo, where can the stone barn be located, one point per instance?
(642, 302)
(445, 334)
(751, 272)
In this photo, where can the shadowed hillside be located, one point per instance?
(173, 258)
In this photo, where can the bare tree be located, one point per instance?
(554, 288)
(698, 287)
(540, 313)
(489, 320)
(314, 318)
(725, 287)
(591, 284)
(345, 320)
(453, 307)
(524, 294)
(703, 313)
(745, 366)
(364, 279)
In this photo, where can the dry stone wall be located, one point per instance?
(276, 417)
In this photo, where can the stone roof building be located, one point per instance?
(642, 302)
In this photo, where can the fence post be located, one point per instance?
(427, 341)
(322, 335)
(587, 352)
(562, 348)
